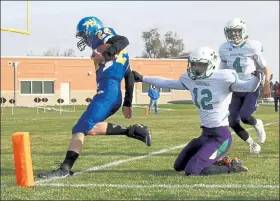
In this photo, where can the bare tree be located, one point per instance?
(30, 53)
(54, 51)
(69, 53)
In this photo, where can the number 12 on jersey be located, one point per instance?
(204, 101)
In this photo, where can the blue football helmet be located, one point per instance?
(86, 30)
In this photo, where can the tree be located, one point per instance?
(30, 53)
(271, 77)
(173, 45)
(156, 47)
(152, 43)
(69, 53)
(55, 51)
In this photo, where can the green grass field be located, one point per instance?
(121, 168)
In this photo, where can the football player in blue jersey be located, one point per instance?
(112, 65)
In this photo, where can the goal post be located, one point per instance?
(27, 30)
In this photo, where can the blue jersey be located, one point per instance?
(114, 69)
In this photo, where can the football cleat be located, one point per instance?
(255, 148)
(140, 132)
(233, 166)
(260, 131)
(224, 161)
(58, 173)
(236, 166)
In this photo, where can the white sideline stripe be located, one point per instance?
(57, 109)
(46, 108)
(116, 163)
(163, 109)
(168, 186)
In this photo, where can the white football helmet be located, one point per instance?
(235, 31)
(203, 62)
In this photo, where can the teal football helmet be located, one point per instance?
(202, 63)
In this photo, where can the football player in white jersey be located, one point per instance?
(211, 91)
(244, 56)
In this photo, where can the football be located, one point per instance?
(102, 48)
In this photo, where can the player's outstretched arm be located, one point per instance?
(160, 82)
(129, 86)
(118, 44)
(249, 85)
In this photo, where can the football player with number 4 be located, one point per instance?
(244, 56)
(211, 90)
(112, 65)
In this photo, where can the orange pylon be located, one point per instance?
(147, 111)
(22, 159)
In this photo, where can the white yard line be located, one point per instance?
(168, 186)
(116, 163)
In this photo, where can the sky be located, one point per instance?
(198, 23)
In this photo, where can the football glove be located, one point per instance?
(260, 75)
(137, 76)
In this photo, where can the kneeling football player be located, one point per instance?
(211, 91)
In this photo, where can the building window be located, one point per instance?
(25, 87)
(146, 87)
(37, 87)
(48, 87)
(165, 90)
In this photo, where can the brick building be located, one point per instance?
(25, 78)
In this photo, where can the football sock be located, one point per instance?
(251, 121)
(249, 140)
(115, 129)
(244, 135)
(69, 160)
(241, 132)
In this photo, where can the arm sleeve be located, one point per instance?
(118, 44)
(149, 93)
(245, 86)
(258, 56)
(129, 86)
(222, 57)
(162, 82)
(223, 65)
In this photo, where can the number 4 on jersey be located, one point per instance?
(237, 66)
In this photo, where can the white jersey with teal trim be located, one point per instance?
(244, 59)
(212, 96)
